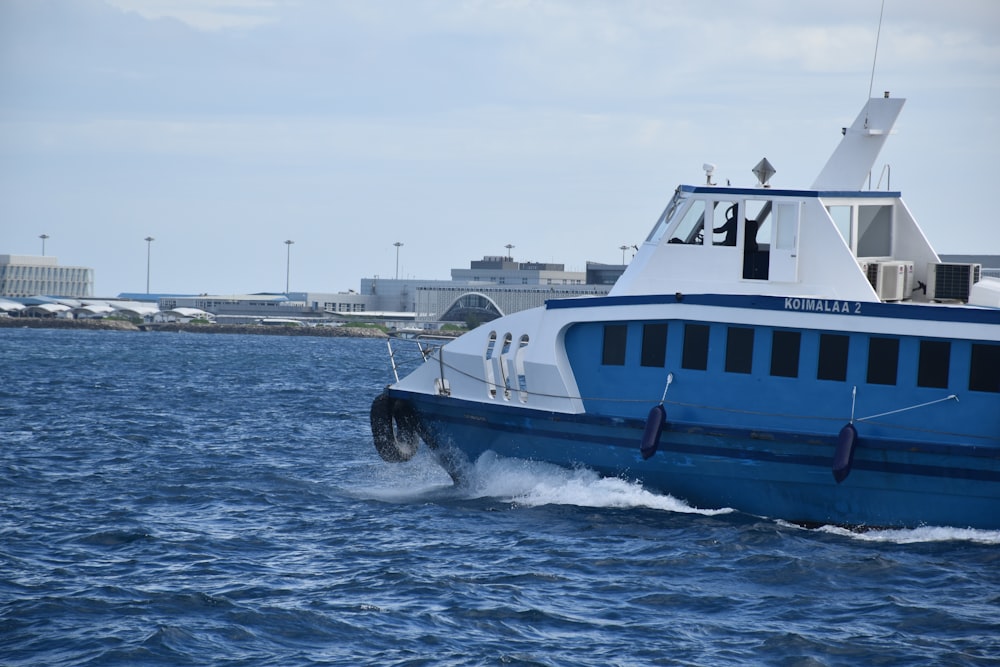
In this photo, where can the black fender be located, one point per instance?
(651, 434)
(395, 428)
(843, 456)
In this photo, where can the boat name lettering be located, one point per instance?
(822, 306)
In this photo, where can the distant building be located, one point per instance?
(505, 271)
(238, 308)
(474, 303)
(30, 275)
(489, 288)
(604, 274)
(306, 306)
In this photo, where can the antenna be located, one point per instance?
(871, 82)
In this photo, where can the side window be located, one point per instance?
(654, 345)
(695, 354)
(985, 372)
(785, 353)
(739, 350)
(522, 379)
(883, 360)
(934, 362)
(488, 362)
(502, 363)
(832, 357)
(614, 344)
(874, 231)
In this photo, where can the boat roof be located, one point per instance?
(785, 192)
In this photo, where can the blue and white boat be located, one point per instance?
(795, 354)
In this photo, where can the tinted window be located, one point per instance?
(935, 358)
(654, 345)
(739, 350)
(985, 372)
(785, 353)
(695, 354)
(832, 357)
(883, 360)
(614, 345)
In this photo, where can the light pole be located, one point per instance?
(43, 237)
(397, 244)
(623, 248)
(509, 248)
(149, 244)
(288, 263)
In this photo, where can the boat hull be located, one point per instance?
(773, 474)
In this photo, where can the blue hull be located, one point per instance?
(773, 474)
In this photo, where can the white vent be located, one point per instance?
(951, 282)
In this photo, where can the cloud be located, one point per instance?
(223, 127)
(206, 14)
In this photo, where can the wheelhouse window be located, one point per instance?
(756, 246)
(695, 354)
(985, 372)
(832, 357)
(691, 227)
(614, 344)
(785, 347)
(934, 361)
(725, 220)
(883, 360)
(739, 350)
(654, 345)
(666, 219)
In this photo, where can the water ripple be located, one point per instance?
(195, 500)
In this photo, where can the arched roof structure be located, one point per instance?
(472, 306)
(46, 310)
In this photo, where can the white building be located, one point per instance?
(30, 275)
(492, 286)
(505, 271)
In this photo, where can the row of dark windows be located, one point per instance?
(933, 360)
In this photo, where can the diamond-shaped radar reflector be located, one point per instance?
(763, 171)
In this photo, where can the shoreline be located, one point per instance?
(174, 327)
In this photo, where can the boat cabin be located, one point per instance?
(783, 242)
(832, 241)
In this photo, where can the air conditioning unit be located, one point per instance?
(890, 281)
(951, 282)
(908, 284)
(870, 269)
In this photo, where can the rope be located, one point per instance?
(758, 413)
(912, 407)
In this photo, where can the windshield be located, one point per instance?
(661, 225)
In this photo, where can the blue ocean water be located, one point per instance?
(185, 499)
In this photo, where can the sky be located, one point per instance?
(223, 128)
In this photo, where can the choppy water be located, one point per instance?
(185, 499)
